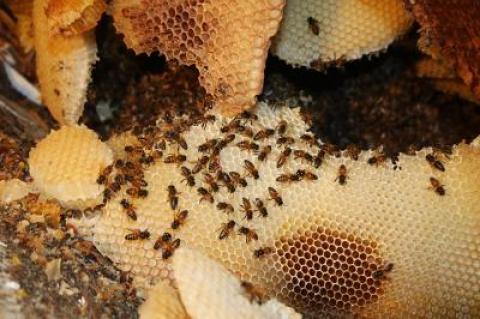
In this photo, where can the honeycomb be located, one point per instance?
(317, 33)
(378, 240)
(226, 40)
(14, 189)
(63, 66)
(203, 285)
(62, 166)
(163, 302)
(70, 17)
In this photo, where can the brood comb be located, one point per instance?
(370, 238)
(227, 41)
(317, 33)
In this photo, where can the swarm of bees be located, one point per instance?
(210, 179)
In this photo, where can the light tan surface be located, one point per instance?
(208, 290)
(14, 189)
(66, 164)
(70, 17)
(347, 30)
(328, 239)
(63, 67)
(163, 302)
(227, 41)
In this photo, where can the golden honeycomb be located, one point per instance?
(316, 32)
(62, 165)
(226, 40)
(163, 302)
(382, 241)
(64, 66)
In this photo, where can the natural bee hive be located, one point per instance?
(316, 32)
(227, 41)
(354, 234)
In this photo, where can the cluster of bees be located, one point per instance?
(236, 133)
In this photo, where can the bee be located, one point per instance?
(377, 159)
(223, 143)
(207, 119)
(200, 164)
(254, 293)
(245, 115)
(119, 164)
(181, 142)
(318, 159)
(275, 196)
(239, 180)
(187, 173)
(172, 196)
(230, 127)
(330, 149)
(383, 271)
(247, 208)
(284, 140)
(208, 145)
(299, 175)
(437, 187)
(434, 162)
(249, 234)
(205, 195)
(313, 25)
(227, 208)
(214, 163)
(246, 145)
(137, 234)
(210, 180)
(251, 169)
(128, 148)
(342, 175)
(175, 159)
(303, 155)
(115, 187)
(285, 178)
(170, 248)
(352, 151)
(179, 219)
(309, 140)
(262, 252)
(102, 179)
(160, 145)
(120, 179)
(226, 229)
(130, 210)
(281, 127)
(310, 176)
(162, 240)
(244, 131)
(261, 207)
(282, 159)
(263, 134)
(142, 193)
(266, 150)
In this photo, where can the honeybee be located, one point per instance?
(275, 196)
(377, 159)
(224, 142)
(266, 150)
(352, 151)
(208, 145)
(282, 159)
(261, 207)
(281, 127)
(313, 25)
(169, 248)
(309, 140)
(342, 175)
(207, 119)
(285, 178)
(437, 187)
(263, 134)
(247, 208)
(205, 195)
(214, 163)
(226, 229)
(245, 115)
(142, 193)
(303, 155)
(299, 175)
(161, 145)
(262, 252)
(175, 159)
(244, 131)
(210, 180)
(137, 234)
(310, 176)
(227, 208)
(179, 219)
(239, 180)
(172, 196)
(284, 140)
(162, 240)
(251, 169)
(246, 145)
(187, 173)
(434, 162)
(330, 149)
(382, 272)
(230, 127)
(102, 179)
(200, 164)
(254, 293)
(128, 148)
(249, 234)
(130, 210)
